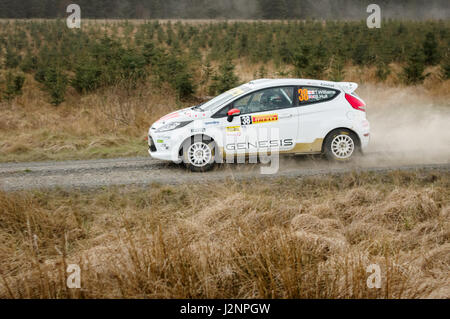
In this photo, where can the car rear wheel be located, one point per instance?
(199, 154)
(341, 145)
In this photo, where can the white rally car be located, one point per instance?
(296, 116)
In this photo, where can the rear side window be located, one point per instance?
(311, 94)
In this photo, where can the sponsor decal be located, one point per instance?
(233, 129)
(320, 94)
(197, 130)
(212, 123)
(266, 144)
(264, 118)
(160, 141)
(258, 119)
(236, 92)
(196, 114)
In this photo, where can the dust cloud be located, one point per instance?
(408, 125)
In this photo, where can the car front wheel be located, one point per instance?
(199, 155)
(341, 145)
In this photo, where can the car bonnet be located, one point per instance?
(186, 114)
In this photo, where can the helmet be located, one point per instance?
(271, 99)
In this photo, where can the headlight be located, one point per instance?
(172, 126)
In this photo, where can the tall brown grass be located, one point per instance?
(108, 123)
(285, 238)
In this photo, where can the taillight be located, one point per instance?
(356, 103)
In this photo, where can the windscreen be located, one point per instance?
(223, 98)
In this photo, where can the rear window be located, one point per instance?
(310, 94)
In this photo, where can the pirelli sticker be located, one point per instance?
(258, 119)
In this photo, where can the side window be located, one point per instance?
(309, 94)
(223, 112)
(270, 99)
(242, 103)
(261, 101)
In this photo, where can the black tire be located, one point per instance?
(341, 145)
(187, 153)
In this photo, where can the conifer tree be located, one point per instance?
(226, 79)
(430, 49)
(413, 71)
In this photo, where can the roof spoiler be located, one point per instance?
(348, 87)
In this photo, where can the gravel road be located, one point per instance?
(145, 171)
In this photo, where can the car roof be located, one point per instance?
(266, 83)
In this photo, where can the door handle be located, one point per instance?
(286, 116)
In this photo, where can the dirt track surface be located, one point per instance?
(145, 171)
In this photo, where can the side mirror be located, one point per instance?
(232, 113)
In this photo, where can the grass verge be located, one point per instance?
(286, 238)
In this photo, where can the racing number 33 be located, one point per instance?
(303, 95)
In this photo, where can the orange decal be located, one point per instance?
(303, 95)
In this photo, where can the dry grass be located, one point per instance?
(109, 123)
(287, 238)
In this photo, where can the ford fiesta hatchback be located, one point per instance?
(295, 116)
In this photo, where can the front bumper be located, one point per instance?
(164, 147)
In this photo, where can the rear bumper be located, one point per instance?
(364, 134)
(365, 139)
